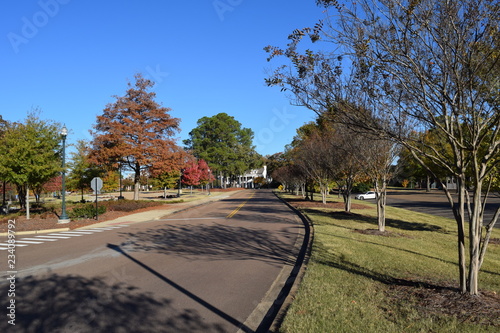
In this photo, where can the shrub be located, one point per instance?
(130, 205)
(86, 211)
(362, 188)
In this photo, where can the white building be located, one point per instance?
(247, 180)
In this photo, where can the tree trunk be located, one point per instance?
(475, 226)
(347, 194)
(428, 185)
(137, 182)
(27, 202)
(381, 196)
(459, 213)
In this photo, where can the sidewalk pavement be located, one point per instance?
(154, 214)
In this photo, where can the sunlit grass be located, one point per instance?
(348, 278)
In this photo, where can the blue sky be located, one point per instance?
(69, 57)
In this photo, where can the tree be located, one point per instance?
(137, 132)
(206, 176)
(32, 161)
(224, 144)
(380, 156)
(82, 171)
(402, 69)
(191, 175)
(311, 153)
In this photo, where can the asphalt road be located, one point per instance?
(203, 270)
(434, 202)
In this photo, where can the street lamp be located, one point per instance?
(180, 184)
(209, 179)
(64, 217)
(121, 197)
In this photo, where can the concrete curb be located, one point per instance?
(269, 314)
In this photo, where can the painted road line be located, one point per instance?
(28, 242)
(58, 237)
(191, 219)
(44, 239)
(5, 244)
(239, 207)
(3, 248)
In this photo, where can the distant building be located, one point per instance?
(247, 180)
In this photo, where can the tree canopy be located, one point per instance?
(136, 132)
(31, 154)
(224, 144)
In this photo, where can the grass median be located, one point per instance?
(405, 280)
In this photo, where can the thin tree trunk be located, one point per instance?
(137, 182)
(475, 226)
(459, 213)
(27, 202)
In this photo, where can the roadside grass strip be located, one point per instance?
(360, 281)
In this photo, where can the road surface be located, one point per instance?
(434, 202)
(202, 270)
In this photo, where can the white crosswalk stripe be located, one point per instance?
(34, 240)
(56, 237)
(40, 239)
(20, 245)
(27, 242)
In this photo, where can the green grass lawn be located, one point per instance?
(406, 281)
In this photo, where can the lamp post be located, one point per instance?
(209, 179)
(121, 195)
(64, 217)
(180, 184)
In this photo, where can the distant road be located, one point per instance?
(434, 202)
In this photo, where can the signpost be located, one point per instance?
(96, 185)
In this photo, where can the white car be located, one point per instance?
(367, 195)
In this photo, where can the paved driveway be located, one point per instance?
(434, 202)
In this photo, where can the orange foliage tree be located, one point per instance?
(137, 132)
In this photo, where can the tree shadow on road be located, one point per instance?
(215, 242)
(57, 303)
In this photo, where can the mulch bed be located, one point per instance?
(447, 301)
(49, 220)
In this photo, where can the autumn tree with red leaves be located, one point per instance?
(191, 175)
(137, 132)
(206, 175)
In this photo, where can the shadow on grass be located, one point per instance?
(57, 303)
(339, 262)
(393, 223)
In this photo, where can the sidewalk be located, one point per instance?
(154, 214)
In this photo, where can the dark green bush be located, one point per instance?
(130, 205)
(362, 188)
(86, 211)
